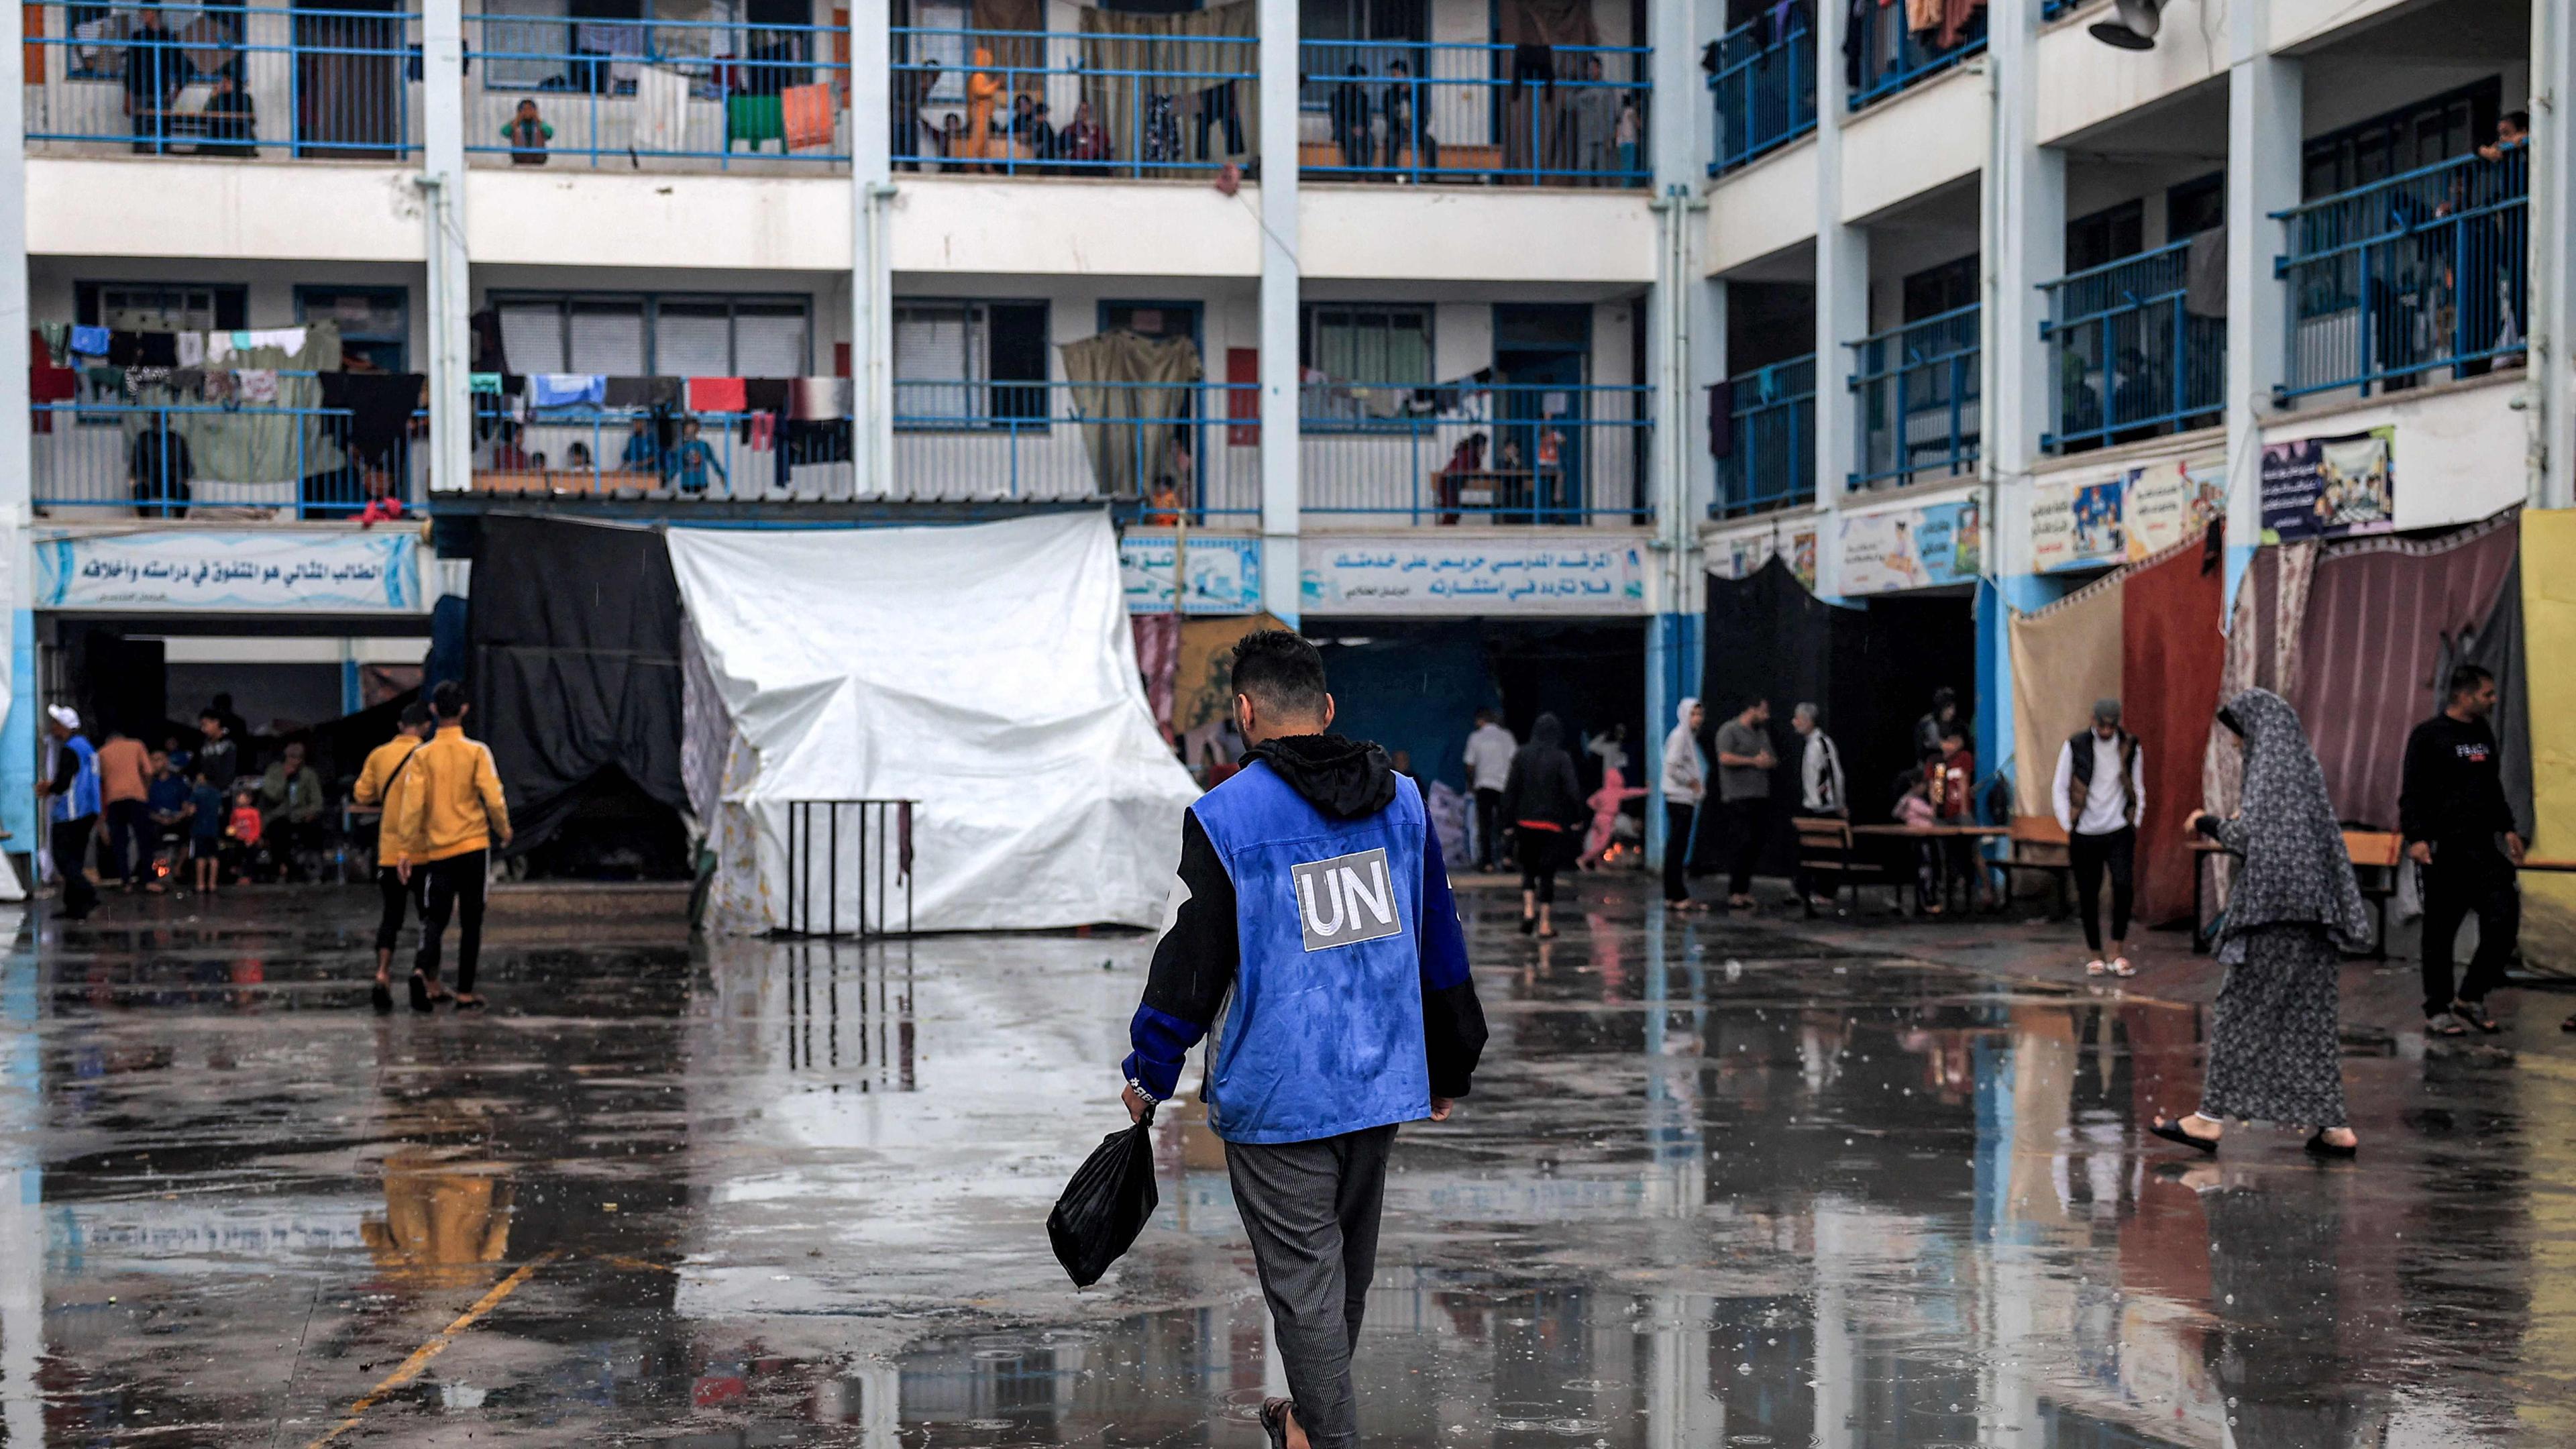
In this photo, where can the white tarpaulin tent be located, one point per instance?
(986, 671)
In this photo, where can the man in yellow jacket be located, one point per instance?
(384, 785)
(453, 814)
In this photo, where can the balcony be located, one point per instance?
(1474, 114)
(1510, 453)
(170, 80)
(1892, 58)
(660, 95)
(1770, 460)
(1764, 87)
(2130, 359)
(1917, 388)
(1128, 96)
(2393, 281)
(108, 457)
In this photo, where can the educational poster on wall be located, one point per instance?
(1471, 576)
(2166, 503)
(1744, 555)
(1224, 573)
(1912, 548)
(2078, 525)
(2330, 487)
(277, 570)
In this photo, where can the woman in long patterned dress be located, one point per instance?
(2274, 1053)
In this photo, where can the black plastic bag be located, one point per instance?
(1107, 1204)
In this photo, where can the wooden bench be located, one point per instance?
(565, 480)
(1827, 856)
(2377, 851)
(2039, 845)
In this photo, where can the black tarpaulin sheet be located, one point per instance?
(573, 665)
(1872, 668)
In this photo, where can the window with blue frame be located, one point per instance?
(1362, 349)
(961, 364)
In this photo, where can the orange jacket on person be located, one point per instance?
(453, 805)
(982, 89)
(386, 783)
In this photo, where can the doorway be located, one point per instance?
(1542, 361)
(350, 96)
(1178, 458)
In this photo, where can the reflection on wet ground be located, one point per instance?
(1719, 1184)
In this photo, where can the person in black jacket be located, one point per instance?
(1542, 802)
(2460, 830)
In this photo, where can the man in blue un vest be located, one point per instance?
(70, 789)
(1319, 924)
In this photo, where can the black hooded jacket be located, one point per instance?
(1542, 785)
(1195, 963)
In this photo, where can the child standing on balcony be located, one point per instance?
(691, 460)
(527, 133)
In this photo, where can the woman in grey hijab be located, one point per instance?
(2273, 1048)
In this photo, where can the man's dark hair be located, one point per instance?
(2466, 678)
(1751, 701)
(1281, 671)
(414, 715)
(448, 699)
(2519, 120)
(1944, 698)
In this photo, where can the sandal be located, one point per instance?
(420, 1000)
(2173, 1132)
(2474, 1013)
(1529, 925)
(2318, 1146)
(466, 1003)
(2096, 966)
(2122, 967)
(2443, 1023)
(383, 997)
(1274, 1421)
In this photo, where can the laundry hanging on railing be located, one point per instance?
(661, 110)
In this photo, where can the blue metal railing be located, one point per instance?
(1764, 87)
(545, 89)
(2421, 271)
(2128, 357)
(1770, 460)
(1513, 453)
(1033, 103)
(1893, 58)
(1918, 393)
(1388, 110)
(2051, 9)
(165, 459)
(190, 80)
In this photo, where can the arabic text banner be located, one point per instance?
(1344, 575)
(290, 570)
(1224, 573)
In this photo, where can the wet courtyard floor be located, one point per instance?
(1719, 1184)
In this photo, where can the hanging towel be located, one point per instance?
(643, 392)
(715, 395)
(379, 404)
(764, 432)
(566, 389)
(192, 349)
(2204, 274)
(488, 383)
(54, 339)
(124, 349)
(258, 385)
(90, 341)
(818, 399)
(807, 116)
(661, 110)
(221, 345)
(157, 349)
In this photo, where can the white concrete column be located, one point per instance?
(2551, 249)
(2263, 138)
(18, 681)
(871, 264)
(1279, 269)
(451, 284)
(1842, 302)
(2025, 244)
(1678, 445)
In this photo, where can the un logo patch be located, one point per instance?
(1347, 899)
